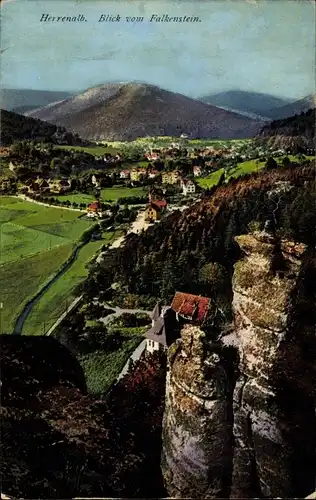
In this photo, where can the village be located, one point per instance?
(43, 170)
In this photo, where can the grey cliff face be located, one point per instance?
(197, 422)
(251, 433)
(274, 418)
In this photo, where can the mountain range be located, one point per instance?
(22, 100)
(125, 111)
(259, 104)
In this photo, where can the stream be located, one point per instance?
(18, 327)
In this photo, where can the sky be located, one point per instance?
(263, 46)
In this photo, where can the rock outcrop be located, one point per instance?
(248, 432)
(274, 416)
(197, 433)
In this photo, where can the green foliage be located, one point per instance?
(214, 276)
(169, 256)
(270, 164)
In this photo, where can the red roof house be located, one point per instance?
(160, 204)
(94, 207)
(191, 307)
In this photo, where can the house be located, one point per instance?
(136, 174)
(171, 177)
(153, 173)
(125, 174)
(164, 329)
(59, 186)
(152, 156)
(188, 187)
(94, 209)
(155, 209)
(152, 213)
(167, 321)
(95, 180)
(34, 187)
(196, 171)
(43, 184)
(193, 308)
(64, 185)
(5, 184)
(5, 151)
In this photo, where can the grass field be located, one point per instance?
(34, 242)
(211, 180)
(27, 228)
(22, 279)
(93, 150)
(107, 195)
(58, 297)
(246, 167)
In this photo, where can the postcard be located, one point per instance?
(157, 249)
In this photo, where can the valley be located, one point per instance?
(95, 236)
(158, 250)
(35, 241)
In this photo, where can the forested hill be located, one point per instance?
(16, 127)
(298, 130)
(171, 255)
(123, 112)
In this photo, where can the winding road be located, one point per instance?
(118, 312)
(136, 227)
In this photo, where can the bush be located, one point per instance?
(132, 320)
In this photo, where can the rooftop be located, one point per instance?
(192, 307)
(159, 203)
(94, 205)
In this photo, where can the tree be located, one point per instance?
(214, 276)
(271, 164)
(286, 161)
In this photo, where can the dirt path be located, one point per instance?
(136, 227)
(26, 198)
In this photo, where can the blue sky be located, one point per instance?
(266, 46)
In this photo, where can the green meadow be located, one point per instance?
(110, 195)
(243, 168)
(93, 150)
(60, 295)
(102, 368)
(34, 242)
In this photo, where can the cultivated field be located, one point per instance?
(34, 242)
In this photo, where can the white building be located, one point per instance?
(157, 337)
(152, 346)
(95, 181)
(196, 171)
(125, 174)
(188, 187)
